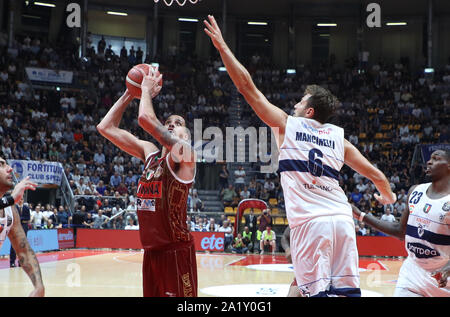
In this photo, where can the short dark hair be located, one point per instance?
(322, 101)
(446, 153)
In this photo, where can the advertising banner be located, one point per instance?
(49, 75)
(40, 172)
(66, 239)
(209, 241)
(427, 149)
(40, 240)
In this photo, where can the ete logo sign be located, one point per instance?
(74, 18)
(212, 243)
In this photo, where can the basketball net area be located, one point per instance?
(179, 2)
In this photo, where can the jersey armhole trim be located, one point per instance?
(176, 176)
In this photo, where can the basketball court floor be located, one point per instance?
(106, 273)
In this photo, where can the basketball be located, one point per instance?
(135, 76)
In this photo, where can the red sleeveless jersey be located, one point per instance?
(161, 201)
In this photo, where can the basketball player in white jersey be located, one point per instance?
(11, 227)
(425, 227)
(312, 152)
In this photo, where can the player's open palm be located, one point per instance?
(21, 187)
(213, 31)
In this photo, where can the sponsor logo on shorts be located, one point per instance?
(421, 251)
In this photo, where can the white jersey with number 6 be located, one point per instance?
(311, 157)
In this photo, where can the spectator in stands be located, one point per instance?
(88, 220)
(247, 238)
(251, 222)
(197, 202)
(77, 219)
(252, 188)
(268, 238)
(228, 195)
(131, 211)
(223, 177)
(360, 230)
(62, 217)
(131, 225)
(239, 179)
(115, 180)
(101, 187)
(53, 217)
(356, 196)
(239, 245)
(264, 195)
(264, 220)
(37, 217)
(131, 178)
(245, 193)
(107, 208)
(118, 223)
(212, 225)
(100, 220)
(388, 215)
(228, 230)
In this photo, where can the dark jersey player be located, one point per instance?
(169, 266)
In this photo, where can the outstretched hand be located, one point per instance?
(385, 200)
(213, 31)
(21, 187)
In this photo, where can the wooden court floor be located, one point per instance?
(106, 273)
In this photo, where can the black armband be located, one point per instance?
(6, 201)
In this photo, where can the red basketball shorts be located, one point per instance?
(171, 272)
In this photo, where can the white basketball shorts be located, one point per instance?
(414, 281)
(325, 257)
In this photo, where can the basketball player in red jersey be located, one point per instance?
(169, 267)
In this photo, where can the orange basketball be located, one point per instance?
(135, 76)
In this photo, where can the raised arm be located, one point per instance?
(359, 163)
(109, 128)
(266, 111)
(27, 258)
(180, 149)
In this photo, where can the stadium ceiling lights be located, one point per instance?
(45, 4)
(256, 23)
(117, 13)
(187, 20)
(396, 23)
(326, 24)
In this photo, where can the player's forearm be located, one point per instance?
(387, 227)
(114, 116)
(237, 72)
(29, 263)
(149, 122)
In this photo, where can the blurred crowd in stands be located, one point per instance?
(386, 110)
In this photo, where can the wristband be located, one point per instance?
(361, 216)
(6, 201)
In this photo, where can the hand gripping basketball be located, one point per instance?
(135, 77)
